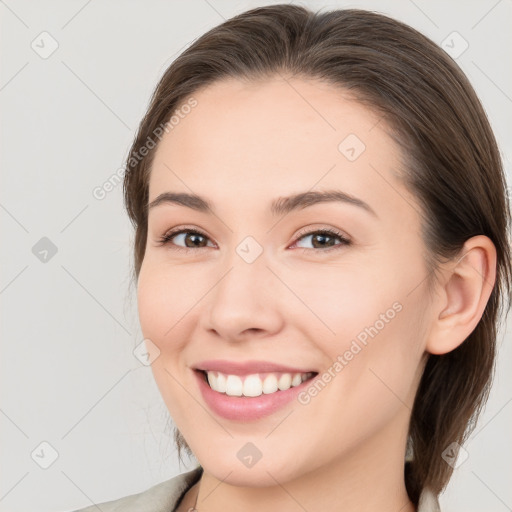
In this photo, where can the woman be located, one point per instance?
(321, 253)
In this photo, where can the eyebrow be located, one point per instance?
(280, 206)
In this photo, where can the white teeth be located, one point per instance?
(270, 384)
(234, 386)
(220, 383)
(297, 379)
(285, 382)
(253, 385)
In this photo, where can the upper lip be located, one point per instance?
(247, 367)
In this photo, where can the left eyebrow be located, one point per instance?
(284, 205)
(279, 206)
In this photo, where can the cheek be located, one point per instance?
(153, 306)
(373, 374)
(383, 372)
(339, 302)
(369, 316)
(166, 295)
(165, 299)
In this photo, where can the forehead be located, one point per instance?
(276, 136)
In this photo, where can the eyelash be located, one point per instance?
(166, 239)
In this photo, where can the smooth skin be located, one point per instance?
(299, 304)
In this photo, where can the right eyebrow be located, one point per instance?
(189, 200)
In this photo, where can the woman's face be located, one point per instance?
(263, 284)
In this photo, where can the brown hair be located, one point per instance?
(451, 163)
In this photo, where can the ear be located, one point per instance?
(466, 287)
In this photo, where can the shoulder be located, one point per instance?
(428, 502)
(162, 497)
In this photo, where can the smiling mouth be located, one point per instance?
(254, 385)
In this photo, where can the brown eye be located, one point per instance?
(324, 239)
(184, 239)
(189, 239)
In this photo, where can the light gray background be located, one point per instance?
(69, 325)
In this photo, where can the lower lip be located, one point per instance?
(243, 408)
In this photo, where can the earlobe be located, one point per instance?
(467, 287)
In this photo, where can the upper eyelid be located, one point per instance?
(311, 230)
(300, 232)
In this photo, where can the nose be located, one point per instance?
(244, 302)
